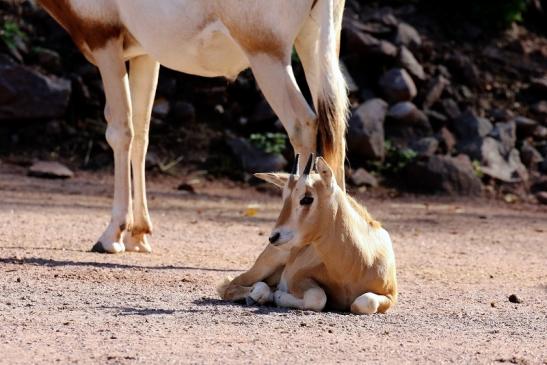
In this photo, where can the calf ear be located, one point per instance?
(326, 173)
(279, 179)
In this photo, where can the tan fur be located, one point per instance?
(339, 248)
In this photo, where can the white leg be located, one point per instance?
(119, 135)
(370, 303)
(261, 293)
(314, 299)
(277, 82)
(143, 79)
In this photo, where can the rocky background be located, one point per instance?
(446, 98)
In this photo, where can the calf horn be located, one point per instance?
(309, 165)
(296, 165)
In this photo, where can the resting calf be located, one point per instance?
(333, 250)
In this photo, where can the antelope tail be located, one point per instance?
(332, 104)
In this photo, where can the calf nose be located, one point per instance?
(275, 237)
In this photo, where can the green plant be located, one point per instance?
(396, 159)
(273, 143)
(477, 168)
(11, 34)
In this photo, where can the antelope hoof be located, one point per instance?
(114, 247)
(137, 243)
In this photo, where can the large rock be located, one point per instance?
(408, 36)
(407, 112)
(366, 130)
(434, 91)
(27, 94)
(254, 160)
(411, 64)
(452, 175)
(362, 177)
(506, 134)
(397, 85)
(50, 170)
(495, 163)
(365, 44)
(470, 131)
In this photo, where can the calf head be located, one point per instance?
(309, 206)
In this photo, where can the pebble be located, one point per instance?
(514, 299)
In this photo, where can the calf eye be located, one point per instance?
(307, 200)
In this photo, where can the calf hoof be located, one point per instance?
(114, 247)
(250, 301)
(261, 293)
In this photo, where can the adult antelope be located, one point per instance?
(328, 248)
(207, 38)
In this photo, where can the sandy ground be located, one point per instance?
(457, 264)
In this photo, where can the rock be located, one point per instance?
(452, 175)
(539, 86)
(540, 133)
(407, 36)
(252, 159)
(366, 45)
(384, 16)
(366, 130)
(505, 168)
(48, 59)
(470, 130)
(407, 112)
(437, 120)
(362, 177)
(184, 112)
(529, 155)
(161, 108)
(434, 91)
(542, 197)
(447, 141)
(540, 108)
(500, 115)
(513, 298)
(425, 146)
(463, 68)
(409, 62)
(506, 134)
(50, 170)
(451, 108)
(397, 85)
(28, 94)
(525, 126)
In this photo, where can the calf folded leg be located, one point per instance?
(370, 303)
(314, 298)
(268, 267)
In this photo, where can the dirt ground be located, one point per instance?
(458, 262)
